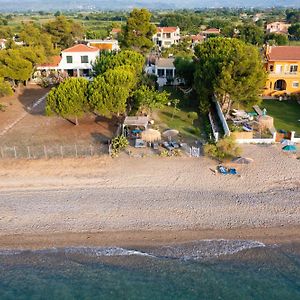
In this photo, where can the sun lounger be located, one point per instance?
(232, 171)
(223, 170)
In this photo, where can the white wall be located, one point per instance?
(76, 64)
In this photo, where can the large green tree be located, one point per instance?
(69, 99)
(230, 69)
(147, 98)
(5, 88)
(63, 31)
(185, 68)
(294, 30)
(32, 35)
(14, 66)
(250, 33)
(109, 92)
(108, 60)
(138, 31)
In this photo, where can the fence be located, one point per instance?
(52, 151)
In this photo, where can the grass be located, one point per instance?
(285, 113)
(168, 118)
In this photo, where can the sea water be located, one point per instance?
(207, 269)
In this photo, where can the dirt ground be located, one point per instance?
(30, 126)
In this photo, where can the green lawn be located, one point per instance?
(285, 113)
(180, 122)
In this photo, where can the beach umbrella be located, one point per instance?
(170, 133)
(242, 160)
(289, 148)
(151, 135)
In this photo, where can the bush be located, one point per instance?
(118, 144)
(224, 149)
(5, 88)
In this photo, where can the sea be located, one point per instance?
(206, 269)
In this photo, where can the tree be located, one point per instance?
(276, 39)
(138, 31)
(108, 93)
(110, 60)
(63, 31)
(32, 36)
(13, 66)
(185, 68)
(146, 99)
(294, 30)
(69, 99)
(251, 34)
(5, 88)
(229, 69)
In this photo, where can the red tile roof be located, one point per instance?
(54, 62)
(212, 30)
(166, 29)
(81, 48)
(284, 53)
(116, 30)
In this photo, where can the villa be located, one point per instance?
(104, 45)
(165, 37)
(278, 27)
(75, 61)
(282, 65)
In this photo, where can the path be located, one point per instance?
(23, 115)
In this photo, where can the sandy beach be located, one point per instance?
(126, 201)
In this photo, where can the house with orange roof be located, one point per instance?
(283, 66)
(104, 45)
(75, 61)
(211, 32)
(278, 27)
(165, 37)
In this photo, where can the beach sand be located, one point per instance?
(126, 201)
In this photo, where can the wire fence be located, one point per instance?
(52, 151)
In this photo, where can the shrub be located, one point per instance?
(118, 144)
(224, 149)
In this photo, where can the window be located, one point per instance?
(295, 84)
(168, 35)
(158, 35)
(293, 68)
(69, 59)
(271, 68)
(160, 72)
(169, 73)
(84, 59)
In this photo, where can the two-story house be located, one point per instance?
(75, 61)
(277, 27)
(283, 67)
(165, 37)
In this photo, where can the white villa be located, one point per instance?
(165, 37)
(75, 61)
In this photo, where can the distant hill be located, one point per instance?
(53, 5)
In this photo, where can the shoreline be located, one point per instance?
(149, 238)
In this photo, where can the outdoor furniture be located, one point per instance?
(242, 160)
(168, 146)
(155, 146)
(139, 143)
(174, 144)
(222, 170)
(232, 171)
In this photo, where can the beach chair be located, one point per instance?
(232, 171)
(223, 170)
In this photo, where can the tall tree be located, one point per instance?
(294, 30)
(69, 99)
(138, 31)
(108, 93)
(110, 60)
(14, 66)
(250, 33)
(229, 69)
(63, 31)
(146, 99)
(5, 88)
